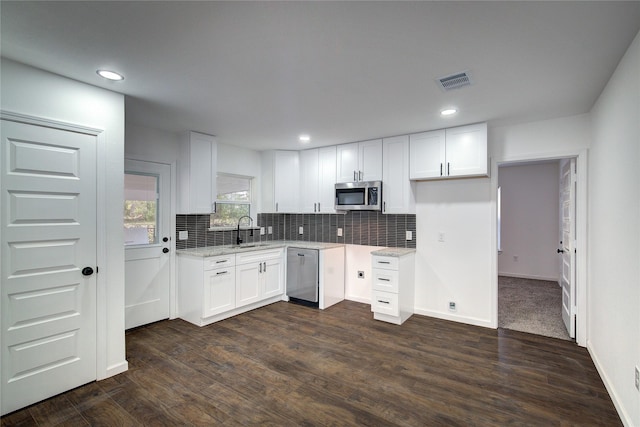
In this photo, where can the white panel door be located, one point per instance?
(327, 179)
(147, 243)
(568, 274)
(48, 295)
(427, 151)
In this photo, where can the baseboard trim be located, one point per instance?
(624, 416)
(455, 318)
(116, 369)
(529, 276)
(358, 299)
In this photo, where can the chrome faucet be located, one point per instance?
(238, 239)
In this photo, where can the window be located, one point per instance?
(233, 200)
(140, 209)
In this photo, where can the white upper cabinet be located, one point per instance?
(280, 181)
(455, 152)
(317, 180)
(197, 166)
(359, 161)
(398, 192)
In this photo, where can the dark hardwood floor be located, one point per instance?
(289, 365)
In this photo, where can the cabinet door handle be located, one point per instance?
(260, 268)
(213, 207)
(359, 175)
(318, 206)
(354, 176)
(448, 169)
(383, 302)
(276, 206)
(383, 279)
(265, 267)
(314, 208)
(221, 272)
(384, 206)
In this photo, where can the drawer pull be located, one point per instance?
(383, 279)
(384, 262)
(383, 302)
(222, 272)
(221, 261)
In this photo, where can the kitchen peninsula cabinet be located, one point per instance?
(317, 180)
(280, 181)
(359, 161)
(197, 166)
(449, 153)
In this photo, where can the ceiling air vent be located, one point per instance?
(455, 81)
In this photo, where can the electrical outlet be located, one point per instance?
(637, 378)
(339, 232)
(360, 274)
(300, 230)
(262, 231)
(269, 230)
(183, 235)
(452, 306)
(409, 235)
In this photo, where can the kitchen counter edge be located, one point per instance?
(209, 251)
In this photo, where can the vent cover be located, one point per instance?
(455, 81)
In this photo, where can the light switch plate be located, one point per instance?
(183, 235)
(300, 230)
(262, 231)
(409, 235)
(270, 230)
(339, 232)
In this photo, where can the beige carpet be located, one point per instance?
(533, 306)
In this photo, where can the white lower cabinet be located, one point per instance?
(215, 288)
(393, 287)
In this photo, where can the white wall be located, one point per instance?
(243, 161)
(38, 93)
(530, 221)
(153, 145)
(358, 258)
(614, 235)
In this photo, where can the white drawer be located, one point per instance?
(385, 303)
(386, 262)
(385, 280)
(253, 256)
(219, 262)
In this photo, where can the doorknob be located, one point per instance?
(165, 250)
(87, 271)
(560, 251)
(165, 239)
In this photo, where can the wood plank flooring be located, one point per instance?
(289, 365)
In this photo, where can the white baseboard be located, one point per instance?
(358, 299)
(116, 369)
(624, 416)
(529, 276)
(455, 318)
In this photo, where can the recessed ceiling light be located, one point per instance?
(304, 138)
(448, 111)
(110, 75)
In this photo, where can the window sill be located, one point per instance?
(233, 228)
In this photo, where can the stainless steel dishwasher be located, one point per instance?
(302, 276)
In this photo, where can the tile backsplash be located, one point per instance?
(369, 228)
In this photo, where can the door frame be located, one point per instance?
(173, 186)
(102, 370)
(581, 219)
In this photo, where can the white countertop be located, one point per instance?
(394, 252)
(208, 251)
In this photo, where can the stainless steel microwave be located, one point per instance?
(359, 196)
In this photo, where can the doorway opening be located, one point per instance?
(536, 280)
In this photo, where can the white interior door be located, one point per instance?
(48, 295)
(147, 242)
(567, 249)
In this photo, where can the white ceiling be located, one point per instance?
(257, 74)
